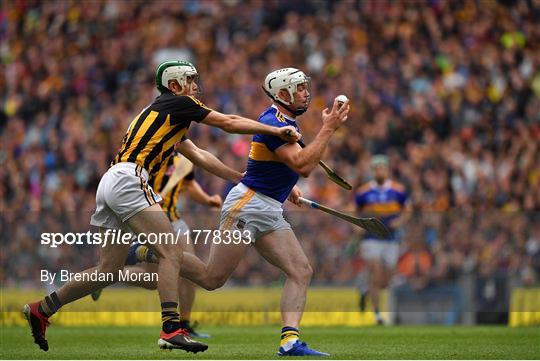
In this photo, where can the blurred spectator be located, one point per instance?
(416, 263)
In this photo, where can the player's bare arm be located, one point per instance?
(207, 161)
(304, 160)
(230, 123)
(195, 192)
(240, 125)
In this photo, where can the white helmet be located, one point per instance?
(173, 70)
(286, 78)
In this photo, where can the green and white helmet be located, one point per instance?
(286, 78)
(173, 70)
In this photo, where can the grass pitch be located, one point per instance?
(261, 343)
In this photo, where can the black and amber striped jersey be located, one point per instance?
(159, 179)
(151, 136)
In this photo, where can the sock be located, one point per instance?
(145, 254)
(376, 310)
(289, 335)
(49, 305)
(184, 324)
(170, 317)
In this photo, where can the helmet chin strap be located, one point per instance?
(296, 112)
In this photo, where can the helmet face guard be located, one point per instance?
(177, 70)
(194, 79)
(287, 79)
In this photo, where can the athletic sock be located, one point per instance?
(184, 324)
(49, 305)
(289, 335)
(145, 254)
(170, 317)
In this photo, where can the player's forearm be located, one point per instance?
(212, 164)
(240, 125)
(309, 157)
(196, 193)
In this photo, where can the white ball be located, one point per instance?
(341, 99)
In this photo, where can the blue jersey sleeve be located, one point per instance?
(271, 141)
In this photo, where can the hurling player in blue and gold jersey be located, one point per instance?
(255, 204)
(387, 200)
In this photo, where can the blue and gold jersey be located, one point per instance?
(384, 202)
(265, 173)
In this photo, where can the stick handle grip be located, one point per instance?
(289, 133)
(308, 202)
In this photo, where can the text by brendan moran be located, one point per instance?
(95, 276)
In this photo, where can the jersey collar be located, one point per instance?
(289, 119)
(386, 185)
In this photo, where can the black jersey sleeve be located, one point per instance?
(190, 176)
(188, 108)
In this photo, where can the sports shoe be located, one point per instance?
(38, 324)
(195, 334)
(96, 294)
(180, 339)
(379, 320)
(300, 348)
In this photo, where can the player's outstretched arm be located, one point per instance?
(304, 160)
(240, 125)
(195, 192)
(207, 161)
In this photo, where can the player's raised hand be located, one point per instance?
(337, 116)
(289, 134)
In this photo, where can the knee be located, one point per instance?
(306, 272)
(301, 272)
(214, 282)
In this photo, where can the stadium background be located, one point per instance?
(449, 90)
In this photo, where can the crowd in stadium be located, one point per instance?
(449, 90)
